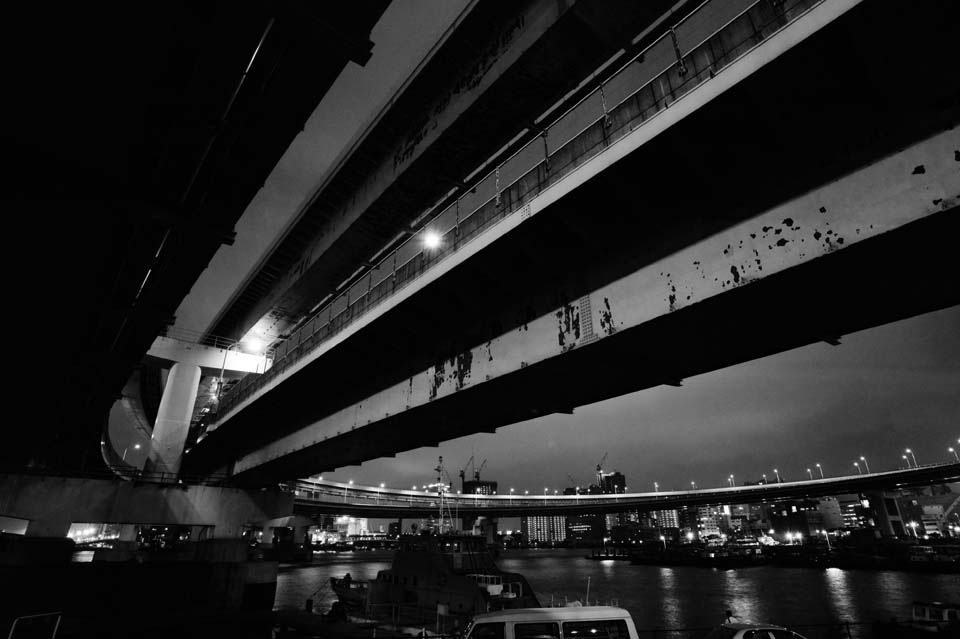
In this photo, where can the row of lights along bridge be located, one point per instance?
(731, 480)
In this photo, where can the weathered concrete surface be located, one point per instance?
(53, 503)
(873, 201)
(474, 343)
(504, 66)
(173, 418)
(652, 63)
(211, 360)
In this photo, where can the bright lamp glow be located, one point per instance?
(431, 240)
(253, 345)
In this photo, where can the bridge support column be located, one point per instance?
(173, 418)
(488, 528)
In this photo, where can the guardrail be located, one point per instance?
(124, 473)
(371, 498)
(635, 93)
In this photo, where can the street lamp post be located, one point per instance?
(913, 525)
(954, 451)
(777, 473)
(906, 459)
(764, 479)
(511, 496)
(733, 483)
(378, 492)
(910, 452)
(810, 472)
(865, 463)
(693, 485)
(656, 487)
(345, 491)
(820, 468)
(857, 464)
(137, 447)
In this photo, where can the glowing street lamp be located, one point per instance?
(906, 459)
(378, 492)
(664, 540)
(345, 491)
(511, 496)
(431, 240)
(810, 472)
(820, 468)
(693, 485)
(865, 464)
(656, 487)
(137, 447)
(731, 480)
(910, 452)
(764, 479)
(857, 464)
(777, 473)
(913, 525)
(954, 451)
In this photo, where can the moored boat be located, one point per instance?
(441, 580)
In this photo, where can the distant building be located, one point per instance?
(667, 518)
(544, 529)
(613, 483)
(801, 516)
(479, 487)
(831, 513)
(586, 530)
(854, 513)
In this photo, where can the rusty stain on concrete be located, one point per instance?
(606, 318)
(437, 380)
(463, 365)
(568, 325)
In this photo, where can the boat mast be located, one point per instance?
(441, 489)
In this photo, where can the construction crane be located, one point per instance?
(600, 470)
(463, 471)
(476, 473)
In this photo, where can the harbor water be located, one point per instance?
(669, 597)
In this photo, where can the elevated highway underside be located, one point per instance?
(814, 198)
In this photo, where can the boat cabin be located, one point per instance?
(580, 622)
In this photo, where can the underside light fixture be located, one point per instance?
(254, 345)
(431, 240)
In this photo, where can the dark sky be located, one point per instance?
(880, 391)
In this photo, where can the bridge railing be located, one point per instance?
(373, 497)
(685, 56)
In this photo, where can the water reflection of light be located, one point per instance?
(672, 605)
(607, 567)
(838, 586)
(741, 599)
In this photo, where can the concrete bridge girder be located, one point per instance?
(52, 504)
(917, 182)
(211, 360)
